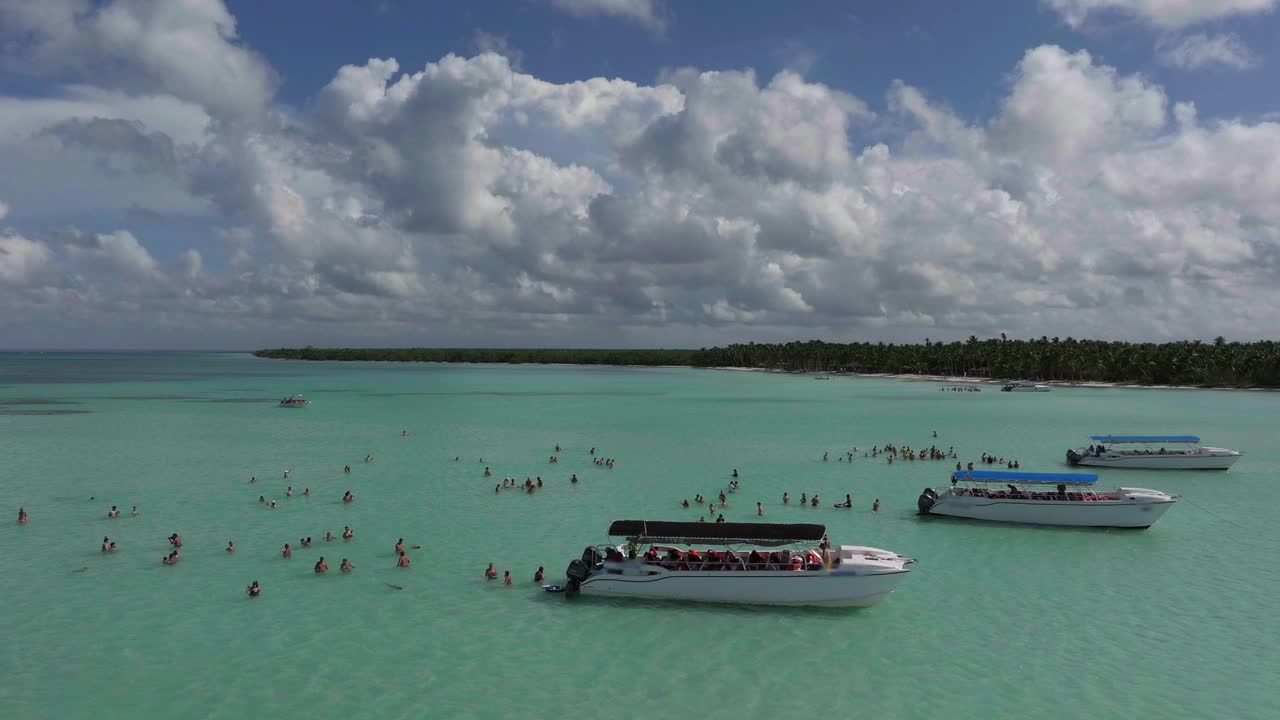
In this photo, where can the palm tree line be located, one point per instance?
(1186, 362)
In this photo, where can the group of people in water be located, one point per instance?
(529, 485)
(993, 460)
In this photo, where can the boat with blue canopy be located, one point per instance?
(1044, 499)
(1152, 452)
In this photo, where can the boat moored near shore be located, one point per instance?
(1152, 452)
(1024, 386)
(800, 567)
(1044, 499)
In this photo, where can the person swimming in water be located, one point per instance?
(814, 500)
(306, 491)
(287, 552)
(759, 510)
(804, 500)
(875, 506)
(105, 544)
(175, 540)
(252, 479)
(346, 565)
(272, 505)
(254, 589)
(685, 503)
(348, 497)
(304, 542)
(23, 517)
(231, 546)
(403, 561)
(347, 533)
(171, 559)
(491, 572)
(113, 512)
(288, 492)
(134, 511)
(573, 478)
(506, 577)
(735, 472)
(537, 577)
(400, 546)
(328, 536)
(487, 472)
(346, 468)
(262, 500)
(321, 565)
(786, 498)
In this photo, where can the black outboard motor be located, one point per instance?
(577, 570)
(926, 500)
(591, 557)
(1073, 457)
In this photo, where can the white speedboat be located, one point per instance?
(756, 563)
(1044, 499)
(1024, 387)
(1152, 452)
(293, 401)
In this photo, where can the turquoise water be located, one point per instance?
(1179, 621)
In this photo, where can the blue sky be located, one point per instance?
(962, 52)
(634, 172)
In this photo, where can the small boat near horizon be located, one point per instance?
(1148, 452)
(1024, 386)
(293, 401)
(1067, 499)
(807, 571)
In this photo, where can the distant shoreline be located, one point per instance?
(993, 382)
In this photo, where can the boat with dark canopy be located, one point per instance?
(755, 563)
(1044, 499)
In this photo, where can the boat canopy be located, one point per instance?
(1111, 439)
(1025, 477)
(687, 533)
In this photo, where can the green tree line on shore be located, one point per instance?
(1190, 362)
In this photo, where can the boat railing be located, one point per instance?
(1023, 495)
(797, 563)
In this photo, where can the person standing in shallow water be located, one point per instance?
(537, 577)
(287, 552)
(321, 565)
(254, 589)
(875, 506)
(346, 565)
(403, 561)
(23, 517)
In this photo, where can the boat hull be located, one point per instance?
(1096, 513)
(1219, 460)
(819, 588)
